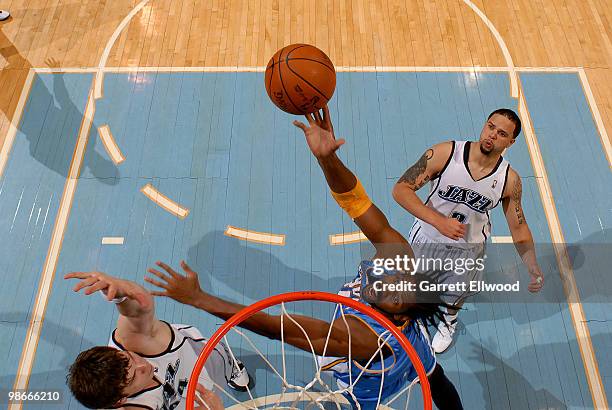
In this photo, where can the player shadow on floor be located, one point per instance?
(56, 153)
(67, 344)
(590, 260)
(14, 73)
(250, 271)
(52, 138)
(502, 384)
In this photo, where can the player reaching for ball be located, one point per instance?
(467, 180)
(407, 310)
(148, 362)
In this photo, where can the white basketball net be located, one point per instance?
(324, 394)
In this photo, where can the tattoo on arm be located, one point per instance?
(416, 175)
(516, 200)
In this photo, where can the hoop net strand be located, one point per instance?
(324, 392)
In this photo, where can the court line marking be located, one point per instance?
(579, 322)
(35, 325)
(112, 240)
(577, 313)
(98, 87)
(502, 239)
(575, 308)
(111, 147)
(11, 133)
(603, 134)
(46, 281)
(254, 236)
(346, 238)
(240, 69)
(514, 86)
(163, 201)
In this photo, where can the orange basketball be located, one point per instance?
(300, 79)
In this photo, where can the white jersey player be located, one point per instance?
(148, 362)
(467, 180)
(172, 369)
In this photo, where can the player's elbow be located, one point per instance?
(398, 191)
(521, 233)
(402, 193)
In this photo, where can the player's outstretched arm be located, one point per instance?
(428, 167)
(186, 289)
(521, 234)
(345, 187)
(136, 308)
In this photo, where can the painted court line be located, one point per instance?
(46, 281)
(30, 345)
(576, 311)
(514, 86)
(247, 69)
(109, 45)
(603, 134)
(253, 236)
(585, 345)
(111, 147)
(15, 121)
(502, 239)
(112, 240)
(346, 238)
(163, 201)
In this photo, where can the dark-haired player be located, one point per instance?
(467, 180)
(405, 309)
(148, 362)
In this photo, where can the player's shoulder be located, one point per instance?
(443, 149)
(162, 334)
(439, 155)
(443, 146)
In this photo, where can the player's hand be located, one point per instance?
(207, 400)
(537, 279)
(185, 289)
(111, 287)
(451, 228)
(320, 133)
(52, 62)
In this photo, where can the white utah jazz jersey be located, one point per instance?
(172, 369)
(456, 194)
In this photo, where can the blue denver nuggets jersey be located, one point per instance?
(397, 367)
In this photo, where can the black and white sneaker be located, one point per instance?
(240, 379)
(4, 15)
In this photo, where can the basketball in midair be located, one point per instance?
(300, 79)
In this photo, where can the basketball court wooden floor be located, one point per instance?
(197, 138)
(228, 164)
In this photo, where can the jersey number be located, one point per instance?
(458, 216)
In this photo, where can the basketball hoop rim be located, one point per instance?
(274, 300)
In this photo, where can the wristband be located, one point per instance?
(116, 301)
(354, 202)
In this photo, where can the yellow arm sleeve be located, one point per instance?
(355, 202)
